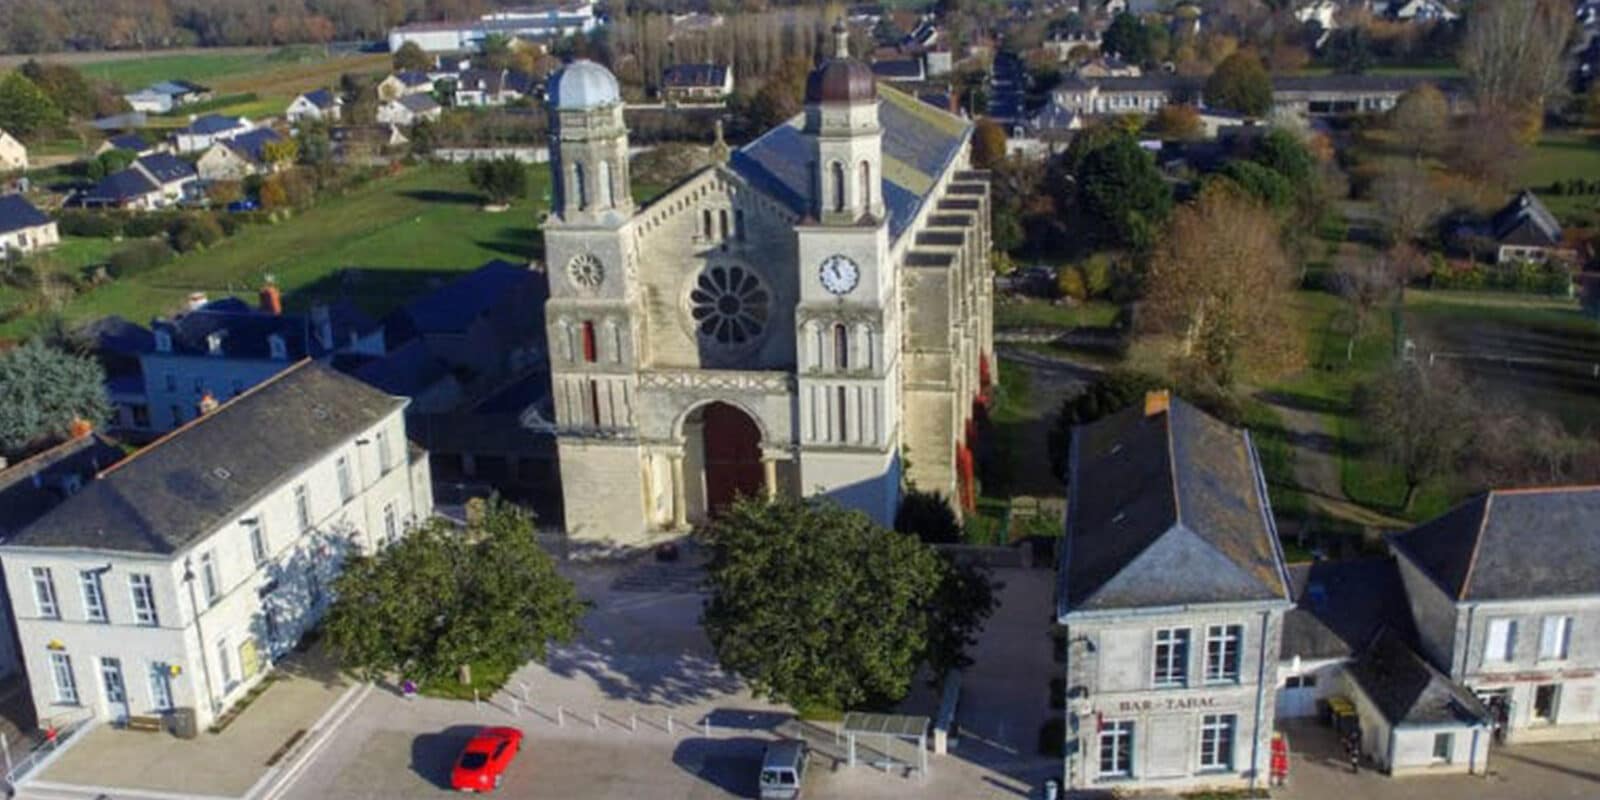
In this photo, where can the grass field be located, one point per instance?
(379, 245)
(207, 68)
(1018, 313)
(1563, 155)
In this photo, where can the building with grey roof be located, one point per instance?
(179, 575)
(24, 229)
(1171, 596)
(1525, 230)
(1414, 719)
(1505, 594)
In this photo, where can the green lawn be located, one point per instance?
(135, 73)
(1043, 314)
(77, 252)
(380, 245)
(1563, 155)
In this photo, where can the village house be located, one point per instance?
(154, 181)
(132, 142)
(321, 105)
(237, 158)
(13, 154)
(167, 587)
(1420, 11)
(1171, 598)
(408, 110)
(538, 23)
(205, 131)
(164, 97)
(23, 228)
(489, 87)
(400, 84)
(1525, 230)
(683, 84)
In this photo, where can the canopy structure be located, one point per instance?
(889, 727)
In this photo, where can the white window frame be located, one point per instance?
(160, 679)
(1218, 738)
(94, 596)
(1170, 668)
(391, 523)
(385, 459)
(210, 581)
(1449, 740)
(142, 588)
(1115, 734)
(302, 507)
(1555, 638)
(44, 593)
(347, 486)
(1218, 640)
(1500, 641)
(225, 664)
(259, 552)
(66, 683)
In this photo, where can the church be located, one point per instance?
(809, 315)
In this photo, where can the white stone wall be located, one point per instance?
(30, 240)
(191, 377)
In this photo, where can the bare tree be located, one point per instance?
(1407, 200)
(1367, 283)
(1514, 53)
(1219, 279)
(1421, 421)
(1421, 120)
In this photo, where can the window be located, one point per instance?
(841, 348)
(1222, 652)
(346, 490)
(844, 417)
(208, 578)
(1172, 657)
(1544, 702)
(1116, 749)
(391, 528)
(607, 190)
(1300, 682)
(838, 186)
(144, 599)
(1500, 645)
(160, 687)
(594, 403)
(581, 185)
(1553, 640)
(705, 224)
(111, 678)
(1444, 746)
(177, 415)
(1216, 741)
(141, 416)
(199, 385)
(66, 684)
(866, 185)
(258, 541)
(44, 593)
(94, 596)
(384, 457)
(738, 224)
(302, 508)
(589, 353)
(722, 224)
(225, 663)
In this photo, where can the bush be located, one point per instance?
(1098, 274)
(95, 224)
(155, 223)
(138, 257)
(1070, 283)
(928, 516)
(196, 231)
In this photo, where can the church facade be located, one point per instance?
(809, 315)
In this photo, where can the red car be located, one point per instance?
(483, 761)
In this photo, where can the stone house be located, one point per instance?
(1525, 230)
(23, 228)
(321, 105)
(13, 153)
(239, 157)
(696, 83)
(408, 110)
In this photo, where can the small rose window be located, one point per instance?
(729, 305)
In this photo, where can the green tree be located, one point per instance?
(109, 162)
(502, 179)
(411, 57)
(1422, 422)
(1240, 83)
(444, 597)
(988, 143)
(43, 391)
(1283, 153)
(1261, 182)
(25, 110)
(1114, 391)
(1129, 38)
(817, 606)
(1121, 197)
(928, 516)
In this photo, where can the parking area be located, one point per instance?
(596, 717)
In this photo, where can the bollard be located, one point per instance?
(707, 723)
(524, 692)
(560, 717)
(633, 723)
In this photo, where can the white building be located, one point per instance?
(178, 577)
(548, 21)
(1171, 598)
(205, 131)
(408, 110)
(23, 228)
(13, 154)
(321, 105)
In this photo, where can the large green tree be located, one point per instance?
(1129, 38)
(43, 391)
(1240, 83)
(412, 57)
(817, 606)
(443, 597)
(24, 108)
(1121, 196)
(502, 179)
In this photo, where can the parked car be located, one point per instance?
(783, 767)
(482, 763)
(243, 205)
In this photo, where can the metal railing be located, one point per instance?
(57, 732)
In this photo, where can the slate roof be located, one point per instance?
(452, 308)
(212, 124)
(418, 103)
(413, 78)
(694, 75)
(405, 371)
(176, 87)
(919, 144)
(166, 167)
(1341, 605)
(118, 336)
(1165, 509)
(35, 485)
(1512, 544)
(1410, 692)
(898, 69)
(17, 213)
(1526, 221)
(246, 332)
(119, 187)
(249, 145)
(128, 141)
(321, 98)
(181, 487)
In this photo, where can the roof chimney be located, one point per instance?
(196, 300)
(271, 298)
(1157, 402)
(208, 403)
(81, 427)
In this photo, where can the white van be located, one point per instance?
(783, 767)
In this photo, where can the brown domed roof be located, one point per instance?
(841, 80)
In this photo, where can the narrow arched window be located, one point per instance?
(609, 192)
(838, 186)
(843, 417)
(866, 185)
(738, 223)
(589, 354)
(705, 220)
(841, 347)
(580, 183)
(722, 219)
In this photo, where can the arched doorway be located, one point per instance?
(731, 448)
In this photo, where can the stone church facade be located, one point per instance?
(810, 315)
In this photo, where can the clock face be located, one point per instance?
(839, 274)
(586, 271)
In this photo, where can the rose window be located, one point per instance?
(729, 305)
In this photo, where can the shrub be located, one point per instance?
(1070, 283)
(196, 231)
(142, 226)
(140, 256)
(1098, 273)
(928, 515)
(96, 224)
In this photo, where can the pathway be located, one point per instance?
(1317, 471)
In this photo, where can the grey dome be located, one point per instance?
(583, 84)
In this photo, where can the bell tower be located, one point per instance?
(588, 146)
(841, 119)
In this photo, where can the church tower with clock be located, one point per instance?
(808, 316)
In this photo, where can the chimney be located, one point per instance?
(208, 403)
(271, 299)
(1157, 402)
(81, 427)
(196, 300)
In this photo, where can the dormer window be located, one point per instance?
(214, 343)
(163, 340)
(280, 350)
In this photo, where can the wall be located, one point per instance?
(28, 240)
(194, 375)
(1434, 613)
(1577, 710)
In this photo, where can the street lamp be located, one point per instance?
(199, 632)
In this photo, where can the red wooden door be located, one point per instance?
(733, 455)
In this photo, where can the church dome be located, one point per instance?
(841, 79)
(582, 84)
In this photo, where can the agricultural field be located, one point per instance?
(1561, 156)
(379, 245)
